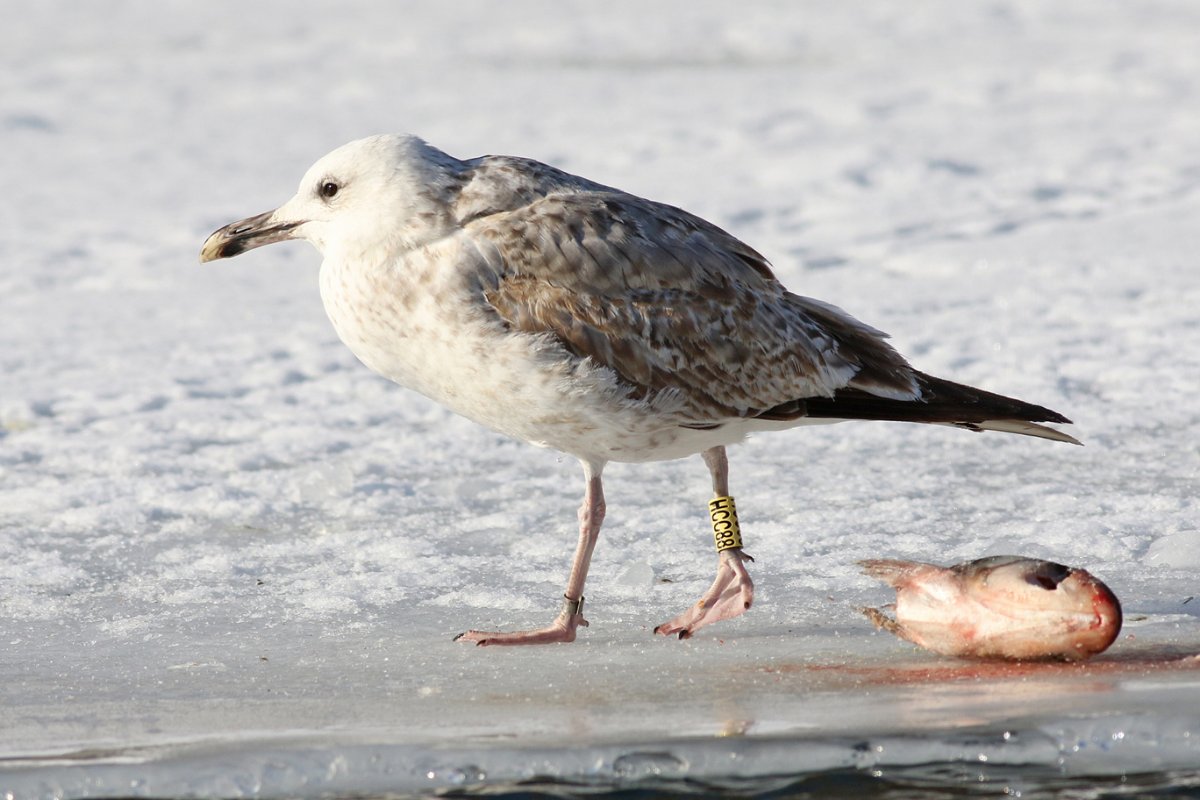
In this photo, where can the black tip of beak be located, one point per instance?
(247, 234)
(227, 249)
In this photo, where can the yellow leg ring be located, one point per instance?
(726, 532)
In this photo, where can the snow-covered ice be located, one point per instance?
(235, 557)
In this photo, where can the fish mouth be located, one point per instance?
(247, 234)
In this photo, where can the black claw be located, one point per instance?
(456, 638)
(685, 634)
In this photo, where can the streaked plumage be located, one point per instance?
(576, 316)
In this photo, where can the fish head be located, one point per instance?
(1042, 602)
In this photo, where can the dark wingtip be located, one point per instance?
(944, 402)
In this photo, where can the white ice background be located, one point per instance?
(233, 558)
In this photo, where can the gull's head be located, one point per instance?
(383, 194)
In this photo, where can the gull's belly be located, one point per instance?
(436, 339)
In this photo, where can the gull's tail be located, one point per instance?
(943, 403)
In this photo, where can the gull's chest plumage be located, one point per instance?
(427, 327)
(405, 321)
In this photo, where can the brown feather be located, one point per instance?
(672, 303)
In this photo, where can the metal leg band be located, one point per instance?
(572, 607)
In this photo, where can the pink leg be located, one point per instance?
(732, 592)
(591, 515)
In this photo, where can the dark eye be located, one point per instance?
(1049, 575)
(328, 189)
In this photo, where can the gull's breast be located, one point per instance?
(423, 324)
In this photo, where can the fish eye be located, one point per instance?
(1049, 575)
(328, 189)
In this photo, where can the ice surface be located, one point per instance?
(234, 558)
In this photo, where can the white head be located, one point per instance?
(383, 195)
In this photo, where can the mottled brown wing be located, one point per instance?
(673, 303)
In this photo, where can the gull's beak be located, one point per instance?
(247, 234)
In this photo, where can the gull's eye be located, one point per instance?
(328, 189)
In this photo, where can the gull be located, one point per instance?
(578, 317)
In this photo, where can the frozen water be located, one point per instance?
(234, 558)
(1176, 550)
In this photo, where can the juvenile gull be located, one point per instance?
(579, 317)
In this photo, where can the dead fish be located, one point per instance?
(1000, 607)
